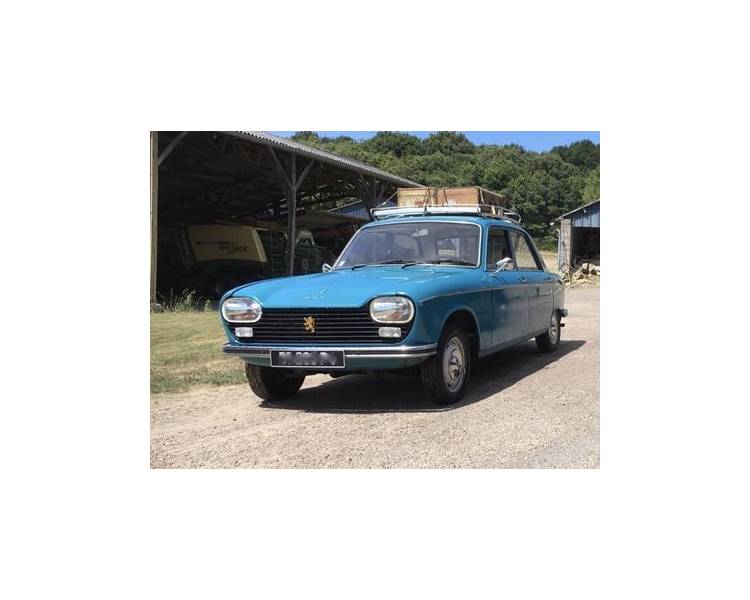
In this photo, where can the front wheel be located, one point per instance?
(550, 340)
(271, 384)
(446, 375)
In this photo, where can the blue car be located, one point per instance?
(430, 289)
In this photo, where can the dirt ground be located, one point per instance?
(523, 409)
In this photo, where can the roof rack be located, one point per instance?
(482, 210)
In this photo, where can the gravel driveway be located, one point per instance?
(522, 409)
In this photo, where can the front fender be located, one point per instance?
(433, 314)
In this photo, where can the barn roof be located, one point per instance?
(323, 156)
(575, 210)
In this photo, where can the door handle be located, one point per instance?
(523, 278)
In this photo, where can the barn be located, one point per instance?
(230, 207)
(578, 239)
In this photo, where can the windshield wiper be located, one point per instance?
(450, 261)
(394, 261)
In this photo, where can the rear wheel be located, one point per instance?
(550, 340)
(271, 384)
(446, 375)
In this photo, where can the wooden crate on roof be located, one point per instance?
(449, 196)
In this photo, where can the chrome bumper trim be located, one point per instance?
(350, 351)
(402, 355)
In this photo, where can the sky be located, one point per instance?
(538, 141)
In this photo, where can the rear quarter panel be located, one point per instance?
(559, 294)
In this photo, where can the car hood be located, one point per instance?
(354, 288)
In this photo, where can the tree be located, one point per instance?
(591, 186)
(396, 143)
(307, 137)
(542, 186)
(448, 142)
(583, 153)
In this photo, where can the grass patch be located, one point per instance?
(186, 352)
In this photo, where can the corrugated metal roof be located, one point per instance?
(357, 209)
(575, 210)
(323, 156)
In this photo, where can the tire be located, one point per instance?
(446, 375)
(550, 340)
(271, 384)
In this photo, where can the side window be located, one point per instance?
(498, 246)
(524, 255)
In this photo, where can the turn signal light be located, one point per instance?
(389, 332)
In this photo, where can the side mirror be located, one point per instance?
(327, 268)
(505, 264)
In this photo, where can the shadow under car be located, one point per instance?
(400, 391)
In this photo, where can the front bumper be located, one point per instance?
(357, 358)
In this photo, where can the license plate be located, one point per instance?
(331, 359)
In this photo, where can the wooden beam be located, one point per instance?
(154, 209)
(366, 190)
(380, 194)
(290, 184)
(304, 173)
(291, 217)
(280, 171)
(168, 150)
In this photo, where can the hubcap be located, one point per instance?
(454, 364)
(554, 329)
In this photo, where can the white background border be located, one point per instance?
(665, 516)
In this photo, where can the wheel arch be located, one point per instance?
(465, 318)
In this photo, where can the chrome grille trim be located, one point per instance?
(332, 326)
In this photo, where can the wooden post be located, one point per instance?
(291, 218)
(290, 184)
(154, 209)
(565, 244)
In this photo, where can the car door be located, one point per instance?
(510, 311)
(537, 281)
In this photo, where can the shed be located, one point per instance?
(578, 239)
(254, 185)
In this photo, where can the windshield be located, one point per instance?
(407, 243)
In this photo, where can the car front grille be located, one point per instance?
(332, 326)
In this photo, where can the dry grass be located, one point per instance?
(550, 260)
(186, 351)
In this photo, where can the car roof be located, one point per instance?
(478, 220)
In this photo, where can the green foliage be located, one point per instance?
(393, 142)
(591, 186)
(584, 153)
(307, 137)
(542, 186)
(448, 142)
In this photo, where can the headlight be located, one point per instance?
(392, 309)
(241, 310)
